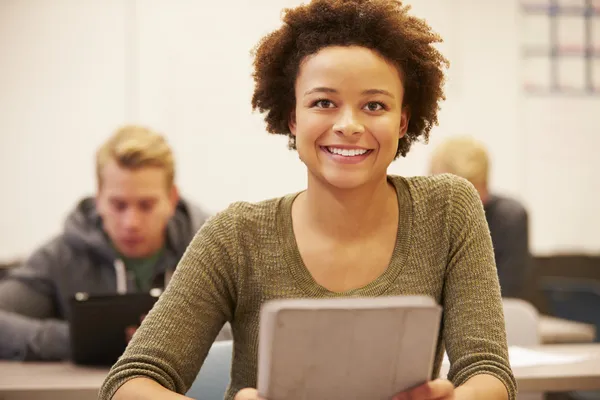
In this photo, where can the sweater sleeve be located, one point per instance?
(31, 328)
(474, 331)
(172, 342)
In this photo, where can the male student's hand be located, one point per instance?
(439, 389)
(247, 394)
(130, 330)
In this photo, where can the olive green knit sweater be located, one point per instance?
(247, 255)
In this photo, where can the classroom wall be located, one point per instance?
(74, 70)
(63, 87)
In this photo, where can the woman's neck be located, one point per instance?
(348, 214)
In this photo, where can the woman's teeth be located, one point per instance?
(347, 152)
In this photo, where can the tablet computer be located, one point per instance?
(98, 324)
(346, 348)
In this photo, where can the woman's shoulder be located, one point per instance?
(246, 216)
(439, 198)
(441, 188)
(433, 183)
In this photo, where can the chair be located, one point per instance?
(522, 329)
(575, 300)
(5, 267)
(522, 323)
(213, 378)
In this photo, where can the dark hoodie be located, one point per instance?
(34, 297)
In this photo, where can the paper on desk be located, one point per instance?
(521, 357)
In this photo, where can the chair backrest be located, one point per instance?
(522, 329)
(213, 378)
(522, 323)
(574, 299)
(5, 267)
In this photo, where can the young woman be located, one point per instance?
(353, 83)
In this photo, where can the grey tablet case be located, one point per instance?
(346, 348)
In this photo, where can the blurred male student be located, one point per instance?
(507, 218)
(129, 238)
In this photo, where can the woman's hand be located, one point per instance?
(439, 389)
(247, 394)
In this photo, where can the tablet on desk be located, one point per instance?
(346, 348)
(98, 324)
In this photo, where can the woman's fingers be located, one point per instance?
(247, 394)
(439, 389)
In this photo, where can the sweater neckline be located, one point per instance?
(378, 286)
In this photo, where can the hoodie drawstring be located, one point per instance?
(121, 274)
(168, 275)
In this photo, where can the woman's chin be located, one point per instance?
(346, 180)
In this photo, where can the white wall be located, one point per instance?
(62, 88)
(562, 165)
(72, 70)
(195, 84)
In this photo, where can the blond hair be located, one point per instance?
(133, 147)
(463, 156)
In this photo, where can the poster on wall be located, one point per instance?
(560, 47)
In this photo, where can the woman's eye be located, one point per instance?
(374, 106)
(323, 104)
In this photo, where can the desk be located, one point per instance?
(62, 381)
(584, 375)
(561, 331)
(49, 381)
(580, 375)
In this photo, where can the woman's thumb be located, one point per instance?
(247, 394)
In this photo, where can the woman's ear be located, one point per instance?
(292, 122)
(404, 120)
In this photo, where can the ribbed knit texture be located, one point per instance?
(247, 254)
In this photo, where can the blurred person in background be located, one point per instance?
(507, 218)
(129, 238)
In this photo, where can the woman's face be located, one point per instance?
(348, 116)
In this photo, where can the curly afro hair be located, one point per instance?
(383, 26)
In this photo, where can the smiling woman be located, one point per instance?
(349, 116)
(384, 27)
(353, 83)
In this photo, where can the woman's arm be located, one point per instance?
(145, 389)
(478, 387)
(473, 319)
(172, 342)
(482, 387)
